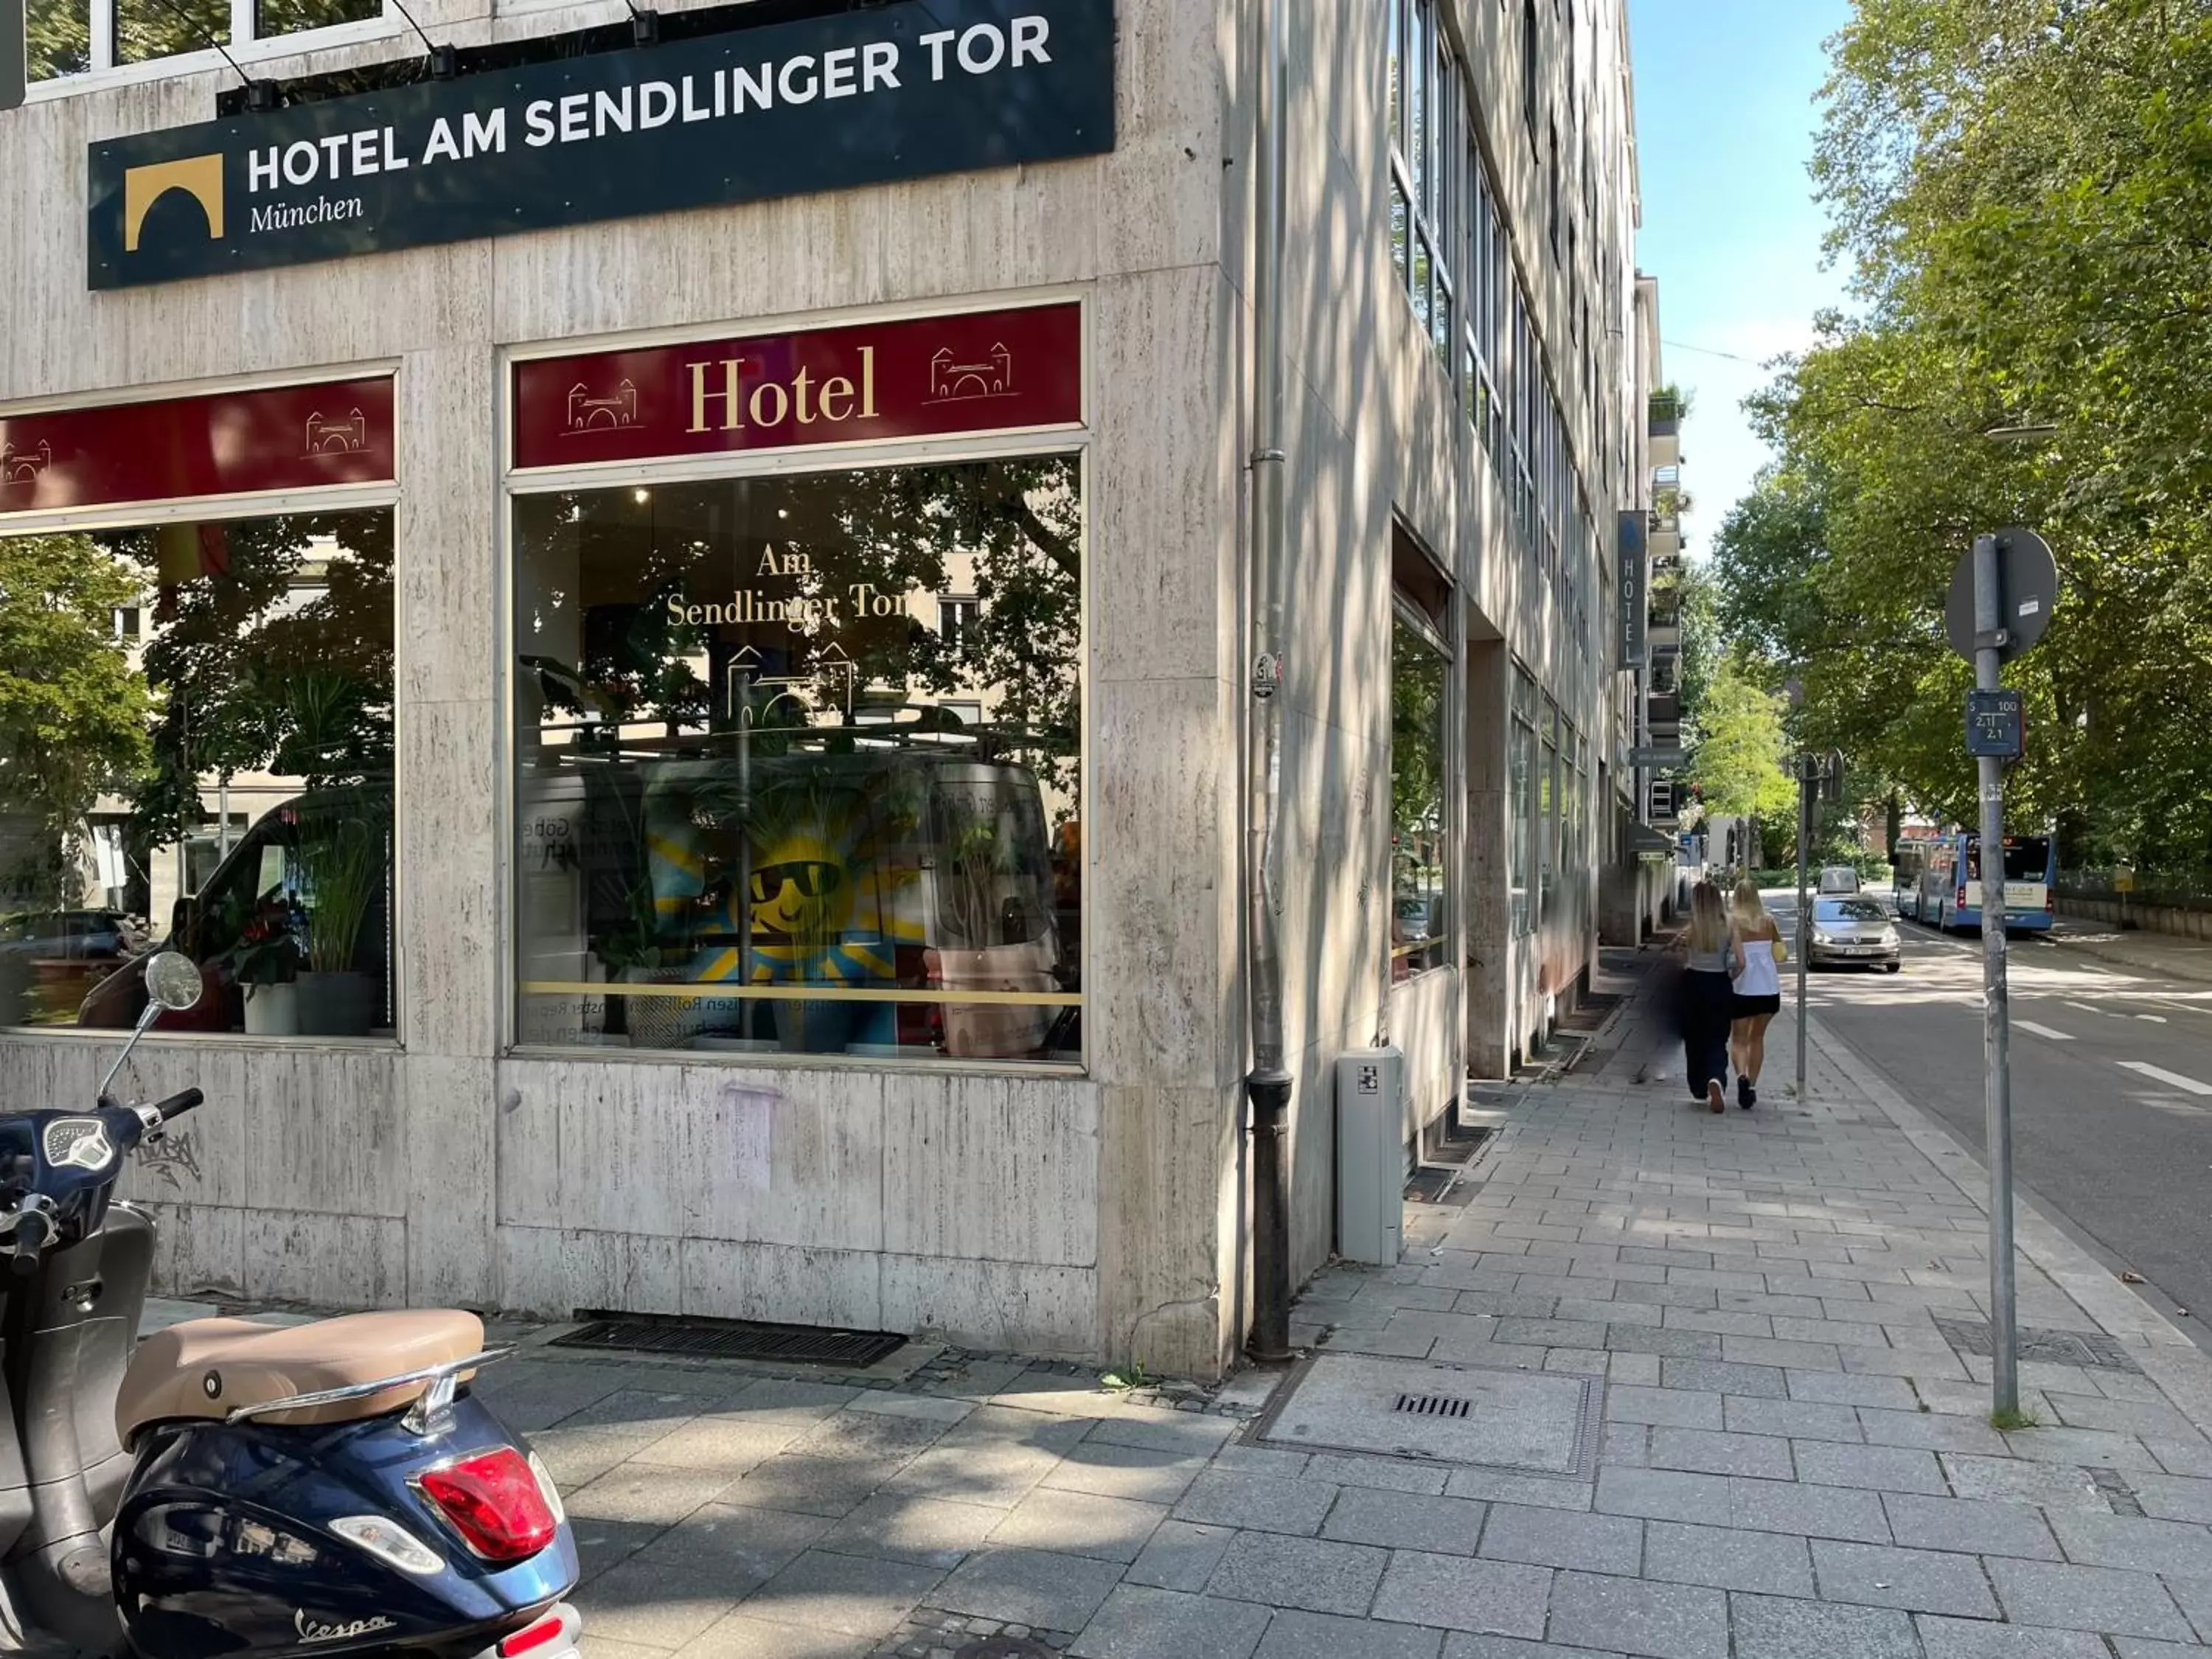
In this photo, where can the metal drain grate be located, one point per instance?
(732, 1339)
(1002, 1646)
(1432, 1405)
(2091, 1348)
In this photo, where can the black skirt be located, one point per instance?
(1746, 1007)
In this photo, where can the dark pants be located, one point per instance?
(1708, 1006)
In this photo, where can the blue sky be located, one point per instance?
(1724, 118)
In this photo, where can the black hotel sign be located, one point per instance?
(864, 97)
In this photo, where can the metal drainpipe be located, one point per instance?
(1267, 1086)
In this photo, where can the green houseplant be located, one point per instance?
(342, 864)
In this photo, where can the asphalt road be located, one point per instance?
(2112, 1087)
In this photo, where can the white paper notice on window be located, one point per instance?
(749, 1115)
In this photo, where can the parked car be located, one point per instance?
(50, 958)
(1839, 878)
(1855, 932)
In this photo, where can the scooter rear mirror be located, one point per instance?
(173, 981)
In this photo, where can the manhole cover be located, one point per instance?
(2091, 1348)
(1535, 1423)
(1004, 1647)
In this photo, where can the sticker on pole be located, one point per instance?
(2027, 590)
(1993, 724)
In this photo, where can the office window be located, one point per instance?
(1419, 859)
(1425, 124)
(70, 37)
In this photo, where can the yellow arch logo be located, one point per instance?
(199, 176)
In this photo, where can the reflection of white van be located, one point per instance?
(868, 868)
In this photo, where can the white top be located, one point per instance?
(1759, 977)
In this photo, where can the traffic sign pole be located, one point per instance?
(1989, 639)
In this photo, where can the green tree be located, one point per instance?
(1737, 763)
(73, 714)
(2024, 188)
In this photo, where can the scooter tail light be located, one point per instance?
(552, 1492)
(494, 1501)
(392, 1544)
(530, 1637)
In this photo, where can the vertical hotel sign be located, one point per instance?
(1635, 591)
(873, 94)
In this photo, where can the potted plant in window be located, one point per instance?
(266, 961)
(342, 867)
(1006, 941)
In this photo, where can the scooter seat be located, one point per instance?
(209, 1368)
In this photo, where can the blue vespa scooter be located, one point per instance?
(232, 1488)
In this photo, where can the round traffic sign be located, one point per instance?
(2027, 590)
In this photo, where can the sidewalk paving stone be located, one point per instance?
(1879, 1468)
(2087, 1598)
(1138, 1623)
(1263, 1503)
(1493, 1598)
(851, 1594)
(1813, 1512)
(1679, 1409)
(1920, 1581)
(1977, 1526)
(1665, 1621)
(1446, 1525)
(1727, 1558)
(1972, 1638)
(1560, 1538)
(1181, 1555)
(1314, 1575)
(2175, 1547)
(1030, 1587)
(1707, 1452)
(1322, 1636)
(1769, 1627)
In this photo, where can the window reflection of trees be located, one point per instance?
(866, 798)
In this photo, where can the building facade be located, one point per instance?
(732, 610)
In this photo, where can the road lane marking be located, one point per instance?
(2164, 1076)
(2086, 1008)
(2156, 1020)
(2043, 1031)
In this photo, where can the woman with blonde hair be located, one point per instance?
(1757, 953)
(1708, 998)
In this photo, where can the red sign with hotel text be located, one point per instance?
(924, 377)
(228, 443)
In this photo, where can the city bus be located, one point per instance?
(1949, 893)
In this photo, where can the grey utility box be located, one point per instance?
(1370, 1154)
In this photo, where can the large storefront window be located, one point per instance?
(798, 763)
(222, 784)
(1419, 670)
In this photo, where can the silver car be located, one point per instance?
(1856, 932)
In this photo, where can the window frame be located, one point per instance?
(382, 497)
(810, 460)
(1425, 113)
(244, 44)
(1439, 636)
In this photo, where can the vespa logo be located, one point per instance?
(314, 1630)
